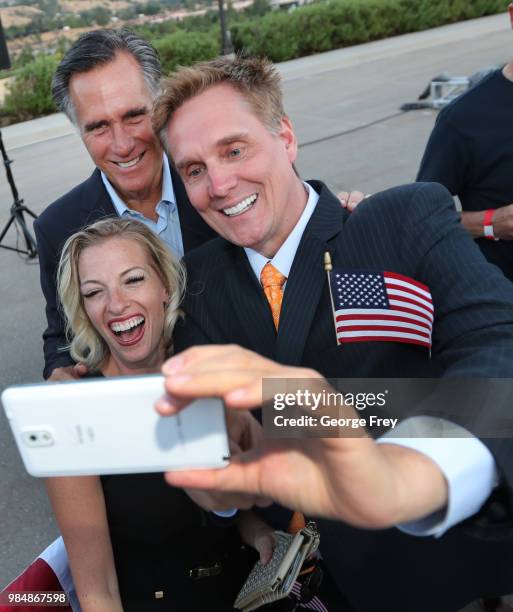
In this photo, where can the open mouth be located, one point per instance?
(130, 331)
(131, 163)
(241, 207)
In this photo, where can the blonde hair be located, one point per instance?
(256, 79)
(86, 344)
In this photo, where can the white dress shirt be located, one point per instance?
(167, 226)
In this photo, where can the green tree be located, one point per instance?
(29, 94)
(184, 48)
(24, 57)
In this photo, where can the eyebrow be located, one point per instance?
(93, 125)
(223, 142)
(124, 273)
(133, 112)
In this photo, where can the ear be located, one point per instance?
(510, 9)
(288, 136)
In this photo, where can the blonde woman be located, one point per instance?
(133, 542)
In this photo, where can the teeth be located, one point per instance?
(130, 163)
(121, 326)
(241, 206)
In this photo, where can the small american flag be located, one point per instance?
(381, 306)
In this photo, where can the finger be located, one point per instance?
(264, 545)
(79, 370)
(196, 355)
(228, 358)
(240, 389)
(355, 197)
(234, 447)
(167, 405)
(343, 196)
(238, 478)
(262, 502)
(215, 372)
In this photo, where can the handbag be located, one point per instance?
(268, 583)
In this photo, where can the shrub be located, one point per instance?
(339, 23)
(29, 92)
(280, 36)
(184, 48)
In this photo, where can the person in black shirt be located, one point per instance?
(470, 152)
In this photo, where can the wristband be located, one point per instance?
(488, 225)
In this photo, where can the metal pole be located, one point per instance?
(225, 47)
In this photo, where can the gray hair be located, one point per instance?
(100, 47)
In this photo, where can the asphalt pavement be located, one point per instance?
(345, 108)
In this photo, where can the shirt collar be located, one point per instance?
(284, 258)
(168, 193)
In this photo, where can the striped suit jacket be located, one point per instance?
(412, 230)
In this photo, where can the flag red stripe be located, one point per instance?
(428, 318)
(406, 279)
(387, 328)
(421, 313)
(410, 300)
(382, 317)
(410, 290)
(381, 339)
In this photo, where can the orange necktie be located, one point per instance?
(272, 282)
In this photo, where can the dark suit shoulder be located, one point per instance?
(82, 205)
(406, 205)
(208, 258)
(404, 196)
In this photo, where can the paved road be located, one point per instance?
(339, 103)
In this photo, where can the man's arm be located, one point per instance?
(350, 479)
(447, 160)
(502, 222)
(473, 302)
(54, 336)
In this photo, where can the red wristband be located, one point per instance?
(488, 224)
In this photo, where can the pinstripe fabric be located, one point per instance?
(412, 230)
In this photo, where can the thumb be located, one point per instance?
(79, 370)
(264, 545)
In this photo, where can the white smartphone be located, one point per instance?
(110, 426)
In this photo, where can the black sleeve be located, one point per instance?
(187, 333)
(473, 302)
(54, 336)
(446, 159)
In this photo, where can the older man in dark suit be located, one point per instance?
(263, 285)
(106, 84)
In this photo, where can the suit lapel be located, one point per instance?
(308, 277)
(97, 205)
(250, 306)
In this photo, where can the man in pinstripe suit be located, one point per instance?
(234, 147)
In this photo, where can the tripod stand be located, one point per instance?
(17, 210)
